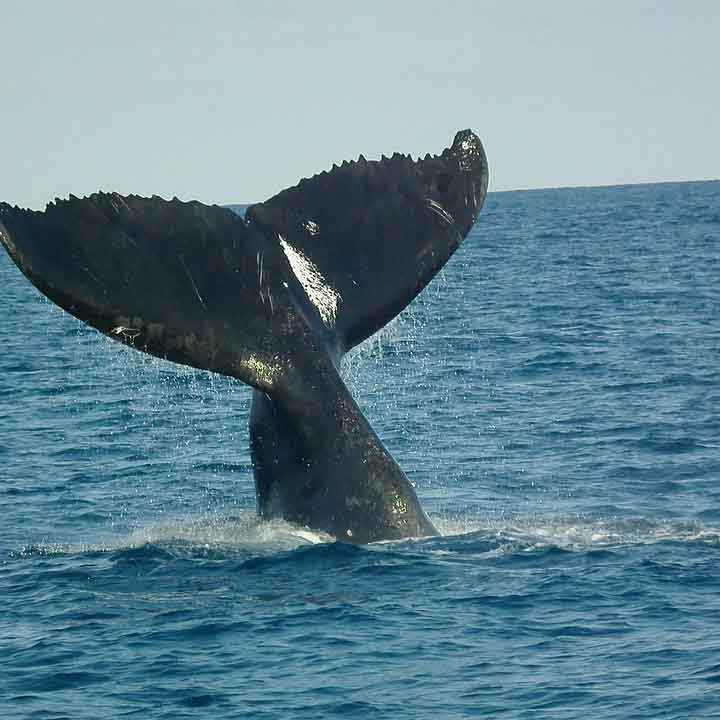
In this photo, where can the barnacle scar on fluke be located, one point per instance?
(274, 300)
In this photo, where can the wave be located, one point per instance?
(244, 537)
(240, 533)
(530, 534)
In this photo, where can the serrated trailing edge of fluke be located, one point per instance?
(104, 198)
(466, 147)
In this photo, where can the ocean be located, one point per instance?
(553, 395)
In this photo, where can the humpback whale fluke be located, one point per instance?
(274, 300)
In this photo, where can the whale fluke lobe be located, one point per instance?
(274, 300)
(378, 231)
(182, 275)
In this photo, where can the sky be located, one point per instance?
(231, 101)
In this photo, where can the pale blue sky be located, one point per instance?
(230, 101)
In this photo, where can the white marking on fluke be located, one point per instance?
(192, 282)
(322, 296)
(440, 211)
(127, 332)
(312, 227)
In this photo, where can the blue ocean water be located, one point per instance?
(553, 395)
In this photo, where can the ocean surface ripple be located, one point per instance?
(553, 395)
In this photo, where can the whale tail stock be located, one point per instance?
(272, 300)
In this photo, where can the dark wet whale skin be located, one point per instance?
(436, 202)
(274, 300)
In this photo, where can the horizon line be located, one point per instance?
(550, 187)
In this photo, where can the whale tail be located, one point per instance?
(270, 299)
